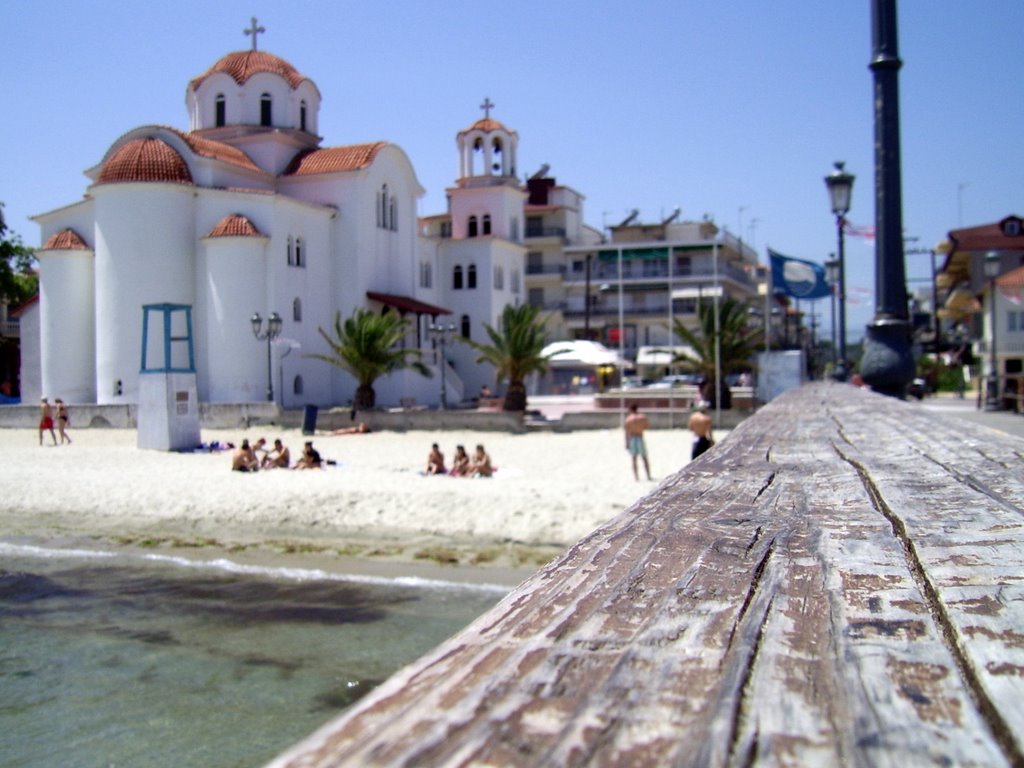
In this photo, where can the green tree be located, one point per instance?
(739, 342)
(368, 346)
(514, 351)
(18, 282)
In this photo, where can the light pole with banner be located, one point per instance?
(840, 192)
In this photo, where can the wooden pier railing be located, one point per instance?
(837, 583)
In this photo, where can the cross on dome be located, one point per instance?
(487, 106)
(255, 30)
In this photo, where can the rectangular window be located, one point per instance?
(514, 280)
(536, 297)
(1011, 321)
(426, 274)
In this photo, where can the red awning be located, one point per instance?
(407, 304)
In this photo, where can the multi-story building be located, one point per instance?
(627, 290)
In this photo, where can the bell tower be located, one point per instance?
(487, 200)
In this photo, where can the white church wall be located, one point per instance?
(234, 364)
(144, 255)
(67, 324)
(78, 216)
(30, 378)
(310, 283)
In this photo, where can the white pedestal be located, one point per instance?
(168, 411)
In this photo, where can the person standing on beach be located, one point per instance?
(635, 425)
(63, 421)
(46, 420)
(700, 425)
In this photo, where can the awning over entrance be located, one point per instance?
(407, 304)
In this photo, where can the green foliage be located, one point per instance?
(18, 283)
(739, 341)
(514, 351)
(368, 346)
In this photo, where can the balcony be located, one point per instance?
(545, 269)
(536, 231)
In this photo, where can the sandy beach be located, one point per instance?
(372, 510)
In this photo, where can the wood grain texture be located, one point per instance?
(837, 583)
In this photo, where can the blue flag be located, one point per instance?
(798, 278)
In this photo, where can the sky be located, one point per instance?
(735, 109)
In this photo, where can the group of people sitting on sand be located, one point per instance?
(247, 458)
(463, 465)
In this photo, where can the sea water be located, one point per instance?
(109, 659)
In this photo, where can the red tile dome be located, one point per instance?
(235, 225)
(145, 160)
(242, 65)
(65, 240)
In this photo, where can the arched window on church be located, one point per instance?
(471, 276)
(393, 213)
(297, 310)
(496, 154)
(220, 108)
(499, 277)
(471, 228)
(297, 385)
(291, 252)
(478, 150)
(457, 277)
(382, 207)
(302, 115)
(265, 110)
(465, 326)
(487, 224)
(299, 256)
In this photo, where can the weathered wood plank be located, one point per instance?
(838, 583)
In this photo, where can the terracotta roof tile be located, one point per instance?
(241, 65)
(145, 160)
(487, 125)
(65, 240)
(334, 159)
(217, 150)
(235, 225)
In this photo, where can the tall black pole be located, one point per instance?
(887, 365)
(841, 371)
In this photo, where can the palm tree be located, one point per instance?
(738, 343)
(514, 351)
(368, 346)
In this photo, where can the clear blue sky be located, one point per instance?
(734, 108)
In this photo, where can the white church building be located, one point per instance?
(247, 212)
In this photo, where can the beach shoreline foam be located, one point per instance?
(371, 512)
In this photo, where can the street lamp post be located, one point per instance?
(887, 364)
(272, 332)
(441, 334)
(832, 275)
(840, 191)
(992, 265)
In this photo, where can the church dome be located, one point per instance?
(145, 160)
(487, 125)
(65, 240)
(241, 65)
(235, 225)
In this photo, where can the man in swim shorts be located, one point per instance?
(635, 425)
(46, 420)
